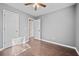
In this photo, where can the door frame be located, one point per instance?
(32, 20)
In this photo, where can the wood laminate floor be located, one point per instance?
(38, 48)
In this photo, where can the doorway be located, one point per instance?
(34, 28)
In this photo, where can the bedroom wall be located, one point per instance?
(23, 21)
(77, 26)
(1, 29)
(59, 26)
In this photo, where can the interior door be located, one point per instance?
(37, 29)
(31, 33)
(10, 27)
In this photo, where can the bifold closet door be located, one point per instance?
(10, 27)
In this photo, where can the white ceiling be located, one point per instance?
(51, 7)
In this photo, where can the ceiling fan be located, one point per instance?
(36, 5)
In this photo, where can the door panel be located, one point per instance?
(10, 27)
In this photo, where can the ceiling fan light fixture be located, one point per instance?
(36, 5)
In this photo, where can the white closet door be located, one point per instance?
(10, 27)
(37, 29)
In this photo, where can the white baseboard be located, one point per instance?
(58, 44)
(23, 50)
(61, 45)
(77, 51)
(18, 44)
(1, 49)
(26, 41)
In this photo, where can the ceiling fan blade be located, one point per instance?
(43, 5)
(28, 3)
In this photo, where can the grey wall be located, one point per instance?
(23, 21)
(1, 29)
(77, 27)
(59, 26)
